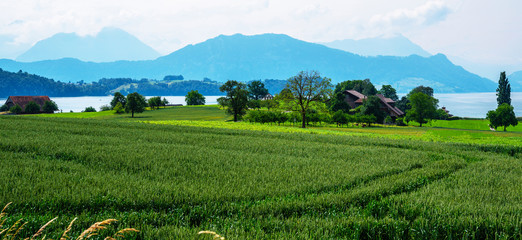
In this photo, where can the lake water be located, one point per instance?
(474, 105)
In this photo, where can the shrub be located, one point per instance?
(400, 122)
(50, 107)
(89, 109)
(32, 108)
(105, 108)
(4, 108)
(118, 109)
(388, 120)
(16, 109)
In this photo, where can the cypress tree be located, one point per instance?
(503, 90)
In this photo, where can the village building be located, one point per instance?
(355, 99)
(24, 100)
(268, 96)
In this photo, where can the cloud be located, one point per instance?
(430, 13)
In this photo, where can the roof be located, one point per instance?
(386, 103)
(23, 100)
(356, 94)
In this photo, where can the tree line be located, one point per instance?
(310, 96)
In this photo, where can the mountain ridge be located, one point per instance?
(110, 44)
(270, 56)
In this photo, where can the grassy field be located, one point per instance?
(252, 181)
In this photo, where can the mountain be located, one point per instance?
(515, 79)
(111, 44)
(393, 46)
(270, 56)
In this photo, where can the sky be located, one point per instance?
(482, 35)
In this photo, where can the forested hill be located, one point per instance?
(270, 56)
(23, 83)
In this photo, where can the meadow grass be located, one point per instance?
(173, 181)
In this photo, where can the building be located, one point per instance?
(24, 100)
(355, 99)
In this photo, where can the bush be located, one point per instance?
(89, 109)
(4, 108)
(50, 107)
(400, 122)
(388, 120)
(105, 108)
(32, 108)
(118, 109)
(16, 109)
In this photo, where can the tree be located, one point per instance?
(118, 109)
(307, 87)
(372, 106)
(118, 98)
(256, 90)
(503, 116)
(389, 92)
(154, 102)
(16, 109)
(164, 102)
(423, 107)
(194, 98)
(135, 103)
(49, 107)
(236, 99)
(503, 90)
(404, 103)
(4, 108)
(90, 109)
(32, 107)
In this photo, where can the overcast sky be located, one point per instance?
(478, 31)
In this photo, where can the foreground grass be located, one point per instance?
(172, 181)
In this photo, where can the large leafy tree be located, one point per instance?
(389, 92)
(503, 90)
(118, 98)
(372, 106)
(194, 98)
(423, 108)
(136, 103)
(504, 116)
(154, 102)
(236, 99)
(404, 103)
(256, 90)
(307, 87)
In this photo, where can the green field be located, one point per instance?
(252, 181)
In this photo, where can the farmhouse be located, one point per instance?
(355, 99)
(24, 100)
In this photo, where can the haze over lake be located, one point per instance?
(474, 105)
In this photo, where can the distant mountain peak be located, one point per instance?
(392, 45)
(110, 44)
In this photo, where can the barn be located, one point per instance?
(24, 100)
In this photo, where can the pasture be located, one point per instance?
(173, 180)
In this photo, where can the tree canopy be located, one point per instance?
(135, 103)
(118, 98)
(256, 90)
(236, 98)
(503, 90)
(423, 108)
(372, 106)
(389, 92)
(194, 98)
(503, 116)
(307, 87)
(49, 107)
(32, 107)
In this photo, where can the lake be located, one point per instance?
(474, 105)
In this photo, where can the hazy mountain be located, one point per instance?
(270, 56)
(393, 46)
(515, 79)
(111, 44)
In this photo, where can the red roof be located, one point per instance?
(23, 100)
